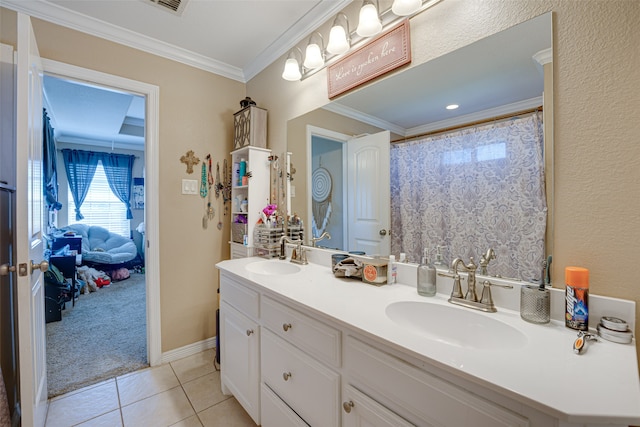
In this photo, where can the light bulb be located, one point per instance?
(291, 70)
(369, 23)
(338, 43)
(405, 7)
(313, 57)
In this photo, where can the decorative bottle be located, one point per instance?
(391, 270)
(426, 276)
(243, 170)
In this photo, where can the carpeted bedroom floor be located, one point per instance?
(102, 337)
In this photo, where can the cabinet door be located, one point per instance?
(240, 358)
(359, 410)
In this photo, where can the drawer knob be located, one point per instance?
(286, 376)
(286, 326)
(249, 332)
(347, 406)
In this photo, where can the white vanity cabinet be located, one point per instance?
(293, 362)
(240, 344)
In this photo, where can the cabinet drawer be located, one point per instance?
(308, 387)
(234, 293)
(360, 410)
(417, 395)
(310, 335)
(275, 413)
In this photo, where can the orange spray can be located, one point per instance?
(577, 298)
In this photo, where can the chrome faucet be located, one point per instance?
(298, 255)
(471, 277)
(470, 299)
(484, 261)
(315, 240)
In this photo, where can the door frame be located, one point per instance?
(315, 131)
(151, 181)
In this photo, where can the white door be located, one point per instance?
(368, 194)
(29, 224)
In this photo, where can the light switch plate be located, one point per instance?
(189, 186)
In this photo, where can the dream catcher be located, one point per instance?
(321, 197)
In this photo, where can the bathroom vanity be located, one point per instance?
(300, 347)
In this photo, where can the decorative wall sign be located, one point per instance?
(386, 52)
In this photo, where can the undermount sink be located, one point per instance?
(454, 326)
(272, 268)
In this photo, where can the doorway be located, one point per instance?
(326, 169)
(144, 222)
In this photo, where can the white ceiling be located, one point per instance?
(233, 38)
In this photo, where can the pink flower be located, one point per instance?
(270, 210)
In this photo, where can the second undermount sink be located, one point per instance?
(455, 326)
(272, 268)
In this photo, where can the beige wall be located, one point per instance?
(596, 102)
(196, 113)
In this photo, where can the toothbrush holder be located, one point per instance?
(535, 304)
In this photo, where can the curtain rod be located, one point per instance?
(467, 125)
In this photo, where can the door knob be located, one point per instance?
(43, 266)
(347, 406)
(5, 269)
(286, 376)
(286, 326)
(383, 232)
(249, 332)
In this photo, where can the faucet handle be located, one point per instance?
(486, 298)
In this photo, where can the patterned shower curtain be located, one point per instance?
(474, 189)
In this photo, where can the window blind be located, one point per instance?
(101, 207)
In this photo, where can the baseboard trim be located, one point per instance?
(188, 350)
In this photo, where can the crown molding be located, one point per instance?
(544, 56)
(351, 113)
(294, 35)
(67, 18)
(435, 126)
(131, 143)
(477, 116)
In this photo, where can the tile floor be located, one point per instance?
(184, 393)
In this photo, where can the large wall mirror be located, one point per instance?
(505, 73)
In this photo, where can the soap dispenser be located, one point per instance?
(426, 276)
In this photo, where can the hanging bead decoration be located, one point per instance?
(203, 181)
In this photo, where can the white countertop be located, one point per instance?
(599, 386)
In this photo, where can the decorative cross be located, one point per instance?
(190, 160)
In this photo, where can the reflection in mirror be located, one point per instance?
(498, 76)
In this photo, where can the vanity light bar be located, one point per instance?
(388, 19)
